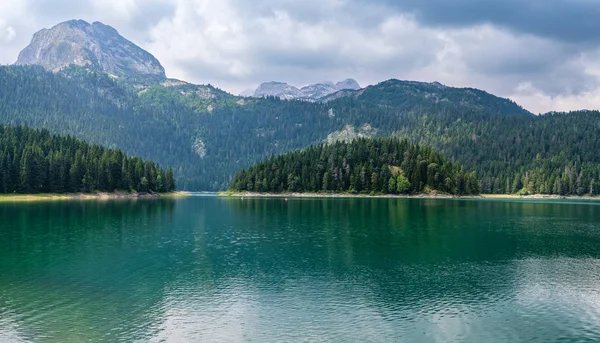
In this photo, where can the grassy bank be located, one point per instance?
(86, 196)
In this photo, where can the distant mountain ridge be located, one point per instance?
(395, 93)
(96, 46)
(314, 91)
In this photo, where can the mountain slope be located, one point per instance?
(96, 46)
(94, 107)
(403, 94)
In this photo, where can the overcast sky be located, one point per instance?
(544, 54)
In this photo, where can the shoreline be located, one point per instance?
(402, 196)
(88, 196)
(332, 195)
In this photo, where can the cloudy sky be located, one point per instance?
(544, 54)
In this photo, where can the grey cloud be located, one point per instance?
(554, 79)
(551, 66)
(151, 13)
(207, 74)
(59, 10)
(565, 20)
(310, 11)
(316, 11)
(51, 12)
(303, 59)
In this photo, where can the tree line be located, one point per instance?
(378, 166)
(34, 161)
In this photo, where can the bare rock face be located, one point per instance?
(278, 89)
(313, 92)
(317, 90)
(95, 46)
(347, 84)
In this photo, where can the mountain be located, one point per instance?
(398, 93)
(96, 46)
(317, 90)
(247, 93)
(278, 89)
(207, 135)
(347, 84)
(312, 92)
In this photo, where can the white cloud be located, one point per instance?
(207, 39)
(204, 35)
(123, 9)
(530, 97)
(12, 16)
(10, 33)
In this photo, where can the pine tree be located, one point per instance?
(40, 162)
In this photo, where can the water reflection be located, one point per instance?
(213, 269)
(74, 271)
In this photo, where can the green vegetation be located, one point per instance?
(207, 135)
(382, 166)
(33, 161)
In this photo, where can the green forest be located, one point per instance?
(371, 166)
(33, 161)
(207, 135)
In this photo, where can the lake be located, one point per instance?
(210, 269)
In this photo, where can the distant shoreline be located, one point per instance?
(180, 194)
(401, 196)
(335, 195)
(88, 196)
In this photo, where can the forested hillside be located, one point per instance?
(207, 135)
(33, 161)
(96, 108)
(384, 166)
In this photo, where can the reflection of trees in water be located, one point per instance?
(81, 269)
(72, 216)
(409, 249)
(62, 263)
(365, 231)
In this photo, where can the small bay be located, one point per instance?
(212, 269)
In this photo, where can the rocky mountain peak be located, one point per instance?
(314, 91)
(97, 46)
(278, 89)
(318, 90)
(347, 84)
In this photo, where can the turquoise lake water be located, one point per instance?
(209, 269)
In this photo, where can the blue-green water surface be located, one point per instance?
(209, 269)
